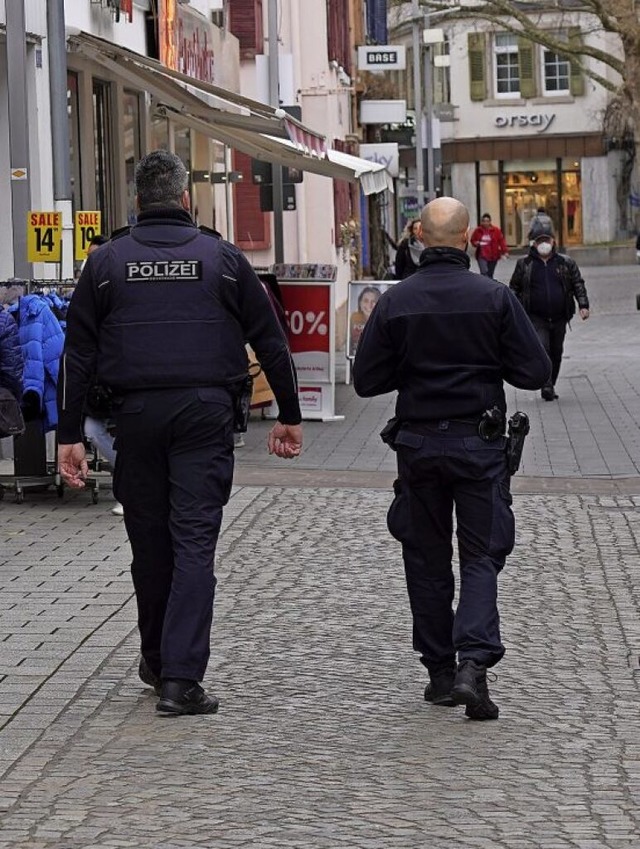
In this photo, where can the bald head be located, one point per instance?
(445, 224)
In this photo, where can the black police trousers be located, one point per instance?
(173, 475)
(442, 468)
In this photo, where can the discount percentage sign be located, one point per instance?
(307, 323)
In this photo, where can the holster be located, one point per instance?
(390, 431)
(242, 404)
(517, 431)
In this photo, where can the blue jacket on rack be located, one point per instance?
(42, 341)
(11, 362)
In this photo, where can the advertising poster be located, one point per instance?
(363, 296)
(307, 308)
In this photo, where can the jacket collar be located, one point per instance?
(165, 215)
(451, 256)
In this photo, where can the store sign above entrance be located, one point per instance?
(541, 121)
(186, 41)
(382, 57)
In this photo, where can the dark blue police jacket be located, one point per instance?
(166, 305)
(445, 339)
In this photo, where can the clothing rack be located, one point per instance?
(31, 468)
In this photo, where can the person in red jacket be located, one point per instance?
(490, 245)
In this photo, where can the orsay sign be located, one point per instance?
(541, 121)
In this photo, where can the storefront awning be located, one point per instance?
(255, 128)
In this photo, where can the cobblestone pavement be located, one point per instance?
(323, 739)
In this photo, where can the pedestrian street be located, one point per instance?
(323, 738)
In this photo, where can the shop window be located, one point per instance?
(182, 147)
(132, 148)
(506, 65)
(103, 143)
(75, 152)
(159, 133)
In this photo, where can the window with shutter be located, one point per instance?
(506, 65)
(245, 22)
(251, 225)
(477, 65)
(526, 64)
(555, 75)
(576, 77)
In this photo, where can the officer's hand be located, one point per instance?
(72, 464)
(584, 314)
(285, 440)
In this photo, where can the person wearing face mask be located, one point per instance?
(548, 284)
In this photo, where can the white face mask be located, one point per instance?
(544, 248)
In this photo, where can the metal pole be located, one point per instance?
(227, 195)
(417, 22)
(60, 128)
(18, 134)
(428, 86)
(274, 100)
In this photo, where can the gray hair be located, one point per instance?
(161, 179)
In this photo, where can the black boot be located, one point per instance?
(180, 697)
(149, 677)
(438, 690)
(470, 689)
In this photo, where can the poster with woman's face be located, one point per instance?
(363, 296)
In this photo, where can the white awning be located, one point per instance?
(255, 128)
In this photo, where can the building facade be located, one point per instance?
(518, 126)
(143, 74)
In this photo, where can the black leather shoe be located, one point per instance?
(470, 689)
(180, 698)
(438, 690)
(548, 394)
(149, 677)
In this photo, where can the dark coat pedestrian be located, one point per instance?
(548, 284)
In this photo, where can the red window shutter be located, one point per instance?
(251, 225)
(245, 22)
(338, 35)
(341, 198)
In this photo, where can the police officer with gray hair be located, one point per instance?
(161, 314)
(445, 339)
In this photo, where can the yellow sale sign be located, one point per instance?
(88, 224)
(44, 236)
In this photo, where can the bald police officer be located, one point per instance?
(445, 339)
(161, 314)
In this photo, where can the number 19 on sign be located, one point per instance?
(88, 225)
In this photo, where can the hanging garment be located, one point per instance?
(42, 340)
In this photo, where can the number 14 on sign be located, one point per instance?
(44, 236)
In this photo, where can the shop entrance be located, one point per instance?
(524, 194)
(520, 188)
(556, 188)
